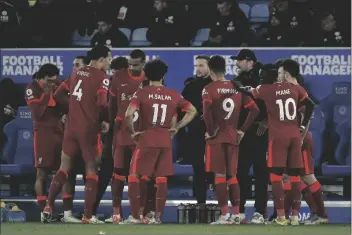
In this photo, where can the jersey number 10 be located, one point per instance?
(285, 109)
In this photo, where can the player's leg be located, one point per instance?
(120, 172)
(277, 152)
(294, 165)
(215, 162)
(232, 182)
(149, 209)
(314, 188)
(287, 192)
(40, 187)
(163, 167)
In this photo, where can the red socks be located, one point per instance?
(296, 194)
(117, 185)
(317, 194)
(288, 199)
(234, 194)
(222, 194)
(90, 195)
(67, 200)
(58, 181)
(134, 195)
(278, 194)
(161, 196)
(42, 202)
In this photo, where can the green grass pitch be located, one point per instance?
(52, 229)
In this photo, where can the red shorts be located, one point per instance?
(123, 156)
(221, 158)
(89, 145)
(47, 148)
(285, 152)
(152, 161)
(307, 153)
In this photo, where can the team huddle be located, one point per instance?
(144, 116)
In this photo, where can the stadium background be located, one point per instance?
(327, 71)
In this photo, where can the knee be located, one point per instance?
(121, 171)
(41, 175)
(309, 179)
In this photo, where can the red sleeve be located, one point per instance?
(113, 98)
(136, 99)
(302, 93)
(61, 96)
(37, 102)
(102, 98)
(249, 103)
(261, 91)
(207, 114)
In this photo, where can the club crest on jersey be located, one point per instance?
(204, 92)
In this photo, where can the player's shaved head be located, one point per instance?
(217, 65)
(137, 54)
(155, 70)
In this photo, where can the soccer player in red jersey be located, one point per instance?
(283, 100)
(222, 105)
(125, 82)
(48, 127)
(153, 156)
(87, 117)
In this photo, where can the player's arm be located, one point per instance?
(61, 96)
(190, 113)
(37, 104)
(102, 99)
(304, 100)
(113, 99)
(249, 104)
(174, 120)
(207, 114)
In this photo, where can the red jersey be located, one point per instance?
(45, 111)
(88, 89)
(282, 103)
(123, 86)
(157, 106)
(222, 105)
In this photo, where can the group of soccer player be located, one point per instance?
(143, 114)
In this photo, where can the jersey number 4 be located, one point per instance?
(156, 113)
(284, 107)
(78, 91)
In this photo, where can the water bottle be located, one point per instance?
(217, 212)
(181, 213)
(187, 213)
(203, 213)
(197, 217)
(192, 214)
(210, 213)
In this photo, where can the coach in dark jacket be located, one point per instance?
(190, 140)
(254, 144)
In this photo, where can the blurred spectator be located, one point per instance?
(109, 35)
(327, 32)
(295, 21)
(10, 100)
(168, 26)
(277, 34)
(49, 23)
(10, 25)
(119, 63)
(231, 27)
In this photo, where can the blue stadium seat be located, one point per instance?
(19, 147)
(245, 8)
(317, 126)
(201, 36)
(126, 32)
(78, 40)
(341, 114)
(139, 37)
(336, 170)
(259, 13)
(344, 132)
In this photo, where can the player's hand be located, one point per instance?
(207, 136)
(261, 129)
(240, 135)
(136, 135)
(105, 127)
(173, 131)
(302, 129)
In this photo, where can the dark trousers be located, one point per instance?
(253, 150)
